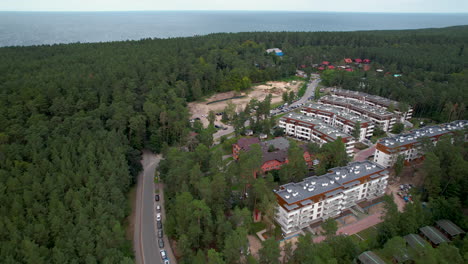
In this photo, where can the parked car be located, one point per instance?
(158, 208)
(161, 243)
(160, 233)
(166, 261)
(156, 197)
(159, 224)
(163, 254)
(158, 217)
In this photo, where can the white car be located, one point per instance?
(158, 208)
(158, 217)
(163, 254)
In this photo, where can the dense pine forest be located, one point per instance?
(73, 119)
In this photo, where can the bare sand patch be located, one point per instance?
(258, 92)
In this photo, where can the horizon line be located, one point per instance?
(223, 10)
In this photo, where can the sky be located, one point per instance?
(402, 6)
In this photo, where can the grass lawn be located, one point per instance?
(257, 227)
(369, 233)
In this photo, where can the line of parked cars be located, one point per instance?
(160, 234)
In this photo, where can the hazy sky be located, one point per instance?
(438, 6)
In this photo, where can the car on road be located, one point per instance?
(161, 243)
(158, 217)
(159, 224)
(158, 208)
(166, 261)
(160, 233)
(163, 254)
(156, 197)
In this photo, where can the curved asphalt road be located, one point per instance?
(145, 240)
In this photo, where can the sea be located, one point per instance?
(46, 28)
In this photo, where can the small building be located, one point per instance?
(277, 51)
(416, 242)
(449, 228)
(348, 60)
(349, 70)
(325, 63)
(331, 67)
(366, 61)
(263, 136)
(321, 68)
(402, 256)
(434, 236)
(248, 132)
(358, 60)
(369, 257)
(243, 144)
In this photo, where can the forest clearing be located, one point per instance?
(201, 109)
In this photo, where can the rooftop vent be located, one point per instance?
(287, 196)
(332, 182)
(295, 194)
(289, 190)
(338, 173)
(373, 166)
(311, 189)
(313, 183)
(343, 176)
(337, 178)
(356, 172)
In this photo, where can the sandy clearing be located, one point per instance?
(259, 92)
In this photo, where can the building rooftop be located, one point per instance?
(339, 112)
(244, 143)
(347, 103)
(367, 97)
(416, 241)
(337, 179)
(281, 146)
(318, 125)
(449, 227)
(370, 257)
(434, 235)
(415, 135)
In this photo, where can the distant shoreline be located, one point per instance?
(28, 28)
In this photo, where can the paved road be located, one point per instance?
(145, 239)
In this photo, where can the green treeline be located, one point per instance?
(73, 119)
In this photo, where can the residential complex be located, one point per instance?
(274, 152)
(312, 129)
(381, 117)
(317, 198)
(408, 144)
(336, 117)
(375, 101)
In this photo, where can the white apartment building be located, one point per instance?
(381, 117)
(311, 129)
(317, 198)
(408, 144)
(336, 117)
(374, 100)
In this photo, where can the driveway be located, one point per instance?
(364, 154)
(145, 241)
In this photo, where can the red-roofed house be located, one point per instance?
(358, 60)
(331, 67)
(303, 66)
(325, 62)
(366, 67)
(271, 160)
(321, 68)
(348, 60)
(349, 70)
(366, 61)
(243, 144)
